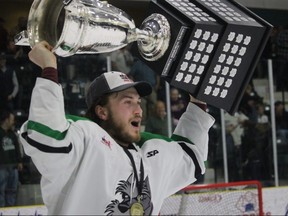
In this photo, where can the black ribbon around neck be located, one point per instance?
(139, 182)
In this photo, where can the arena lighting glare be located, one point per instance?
(214, 48)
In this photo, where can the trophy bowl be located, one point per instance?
(92, 26)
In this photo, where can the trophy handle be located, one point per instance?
(155, 32)
(21, 39)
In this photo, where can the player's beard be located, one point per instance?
(120, 131)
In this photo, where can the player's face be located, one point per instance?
(124, 116)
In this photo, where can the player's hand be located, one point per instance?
(41, 54)
(194, 100)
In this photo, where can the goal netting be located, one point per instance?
(234, 198)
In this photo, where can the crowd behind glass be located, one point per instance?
(248, 132)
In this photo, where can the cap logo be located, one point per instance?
(125, 78)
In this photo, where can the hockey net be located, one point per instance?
(234, 198)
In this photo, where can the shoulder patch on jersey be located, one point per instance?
(75, 118)
(180, 138)
(145, 136)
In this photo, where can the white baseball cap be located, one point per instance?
(113, 82)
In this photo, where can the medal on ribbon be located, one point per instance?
(137, 208)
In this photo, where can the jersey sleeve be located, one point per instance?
(193, 129)
(46, 135)
(180, 160)
(192, 134)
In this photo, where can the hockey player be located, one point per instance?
(103, 165)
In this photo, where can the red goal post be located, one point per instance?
(234, 198)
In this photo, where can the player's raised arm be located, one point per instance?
(47, 103)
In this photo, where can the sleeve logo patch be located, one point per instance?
(152, 153)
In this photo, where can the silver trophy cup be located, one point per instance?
(92, 26)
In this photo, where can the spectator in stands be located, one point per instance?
(248, 104)
(256, 142)
(14, 52)
(281, 116)
(263, 124)
(234, 134)
(10, 160)
(157, 122)
(262, 143)
(262, 117)
(249, 101)
(8, 84)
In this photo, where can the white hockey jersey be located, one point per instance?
(84, 171)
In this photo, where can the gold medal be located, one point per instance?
(137, 209)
